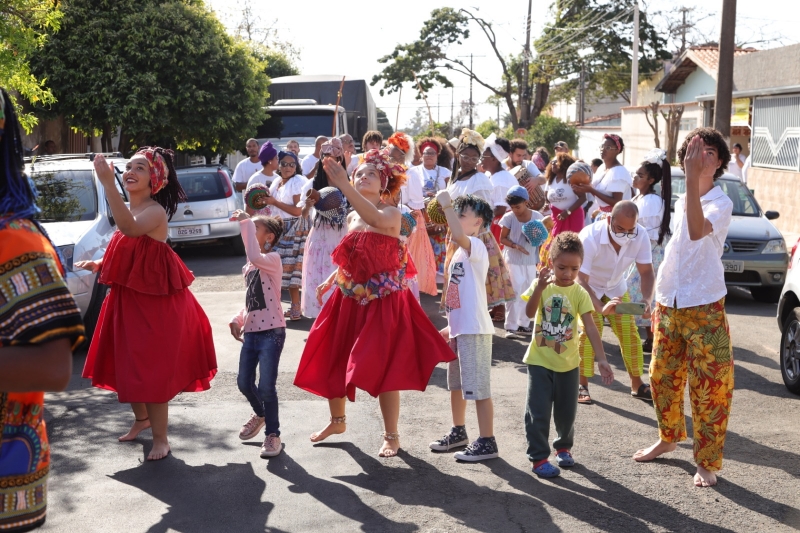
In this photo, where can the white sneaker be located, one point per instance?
(251, 428)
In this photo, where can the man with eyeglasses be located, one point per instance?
(611, 247)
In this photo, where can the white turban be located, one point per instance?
(497, 150)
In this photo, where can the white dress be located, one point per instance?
(616, 179)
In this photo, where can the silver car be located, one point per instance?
(75, 213)
(211, 201)
(754, 255)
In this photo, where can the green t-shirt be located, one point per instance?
(555, 340)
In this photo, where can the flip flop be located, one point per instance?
(643, 393)
(583, 395)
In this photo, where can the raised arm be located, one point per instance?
(377, 218)
(456, 231)
(696, 162)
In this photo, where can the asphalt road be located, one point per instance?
(214, 482)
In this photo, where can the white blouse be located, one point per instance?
(478, 184)
(501, 182)
(286, 193)
(560, 194)
(616, 179)
(651, 212)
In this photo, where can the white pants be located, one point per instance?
(522, 277)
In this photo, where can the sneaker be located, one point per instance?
(456, 438)
(513, 334)
(480, 450)
(564, 459)
(525, 331)
(271, 446)
(546, 470)
(251, 428)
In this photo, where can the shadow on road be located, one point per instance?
(205, 498)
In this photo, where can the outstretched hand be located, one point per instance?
(93, 266)
(699, 159)
(444, 199)
(104, 170)
(337, 175)
(238, 216)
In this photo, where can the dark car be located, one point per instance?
(754, 255)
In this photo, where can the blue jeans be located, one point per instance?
(262, 349)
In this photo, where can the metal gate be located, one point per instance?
(776, 132)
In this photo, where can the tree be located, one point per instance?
(384, 126)
(487, 127)
(24, 28)
(166, 72)
(277, 63)
(547, 131)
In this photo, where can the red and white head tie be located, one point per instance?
(159, 171)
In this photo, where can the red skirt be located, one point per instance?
(574, 222)
(387, 345)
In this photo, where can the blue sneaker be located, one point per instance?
(480, 450)
(546, 470)
(564, 459)
(455, 439)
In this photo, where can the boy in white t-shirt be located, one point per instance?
(469, 328)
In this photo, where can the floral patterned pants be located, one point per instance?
(693, 344)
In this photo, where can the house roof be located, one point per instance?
(768, 69)
(703, 57)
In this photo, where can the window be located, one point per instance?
(66, 195)
(688, 124)
(287, 124)
(202, 187)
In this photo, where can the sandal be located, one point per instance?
(643, 393)
(583, 395)
(294, 312)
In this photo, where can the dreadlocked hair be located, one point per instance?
(662, 173)
(273, 225)
(17, 198)
(566, 242)
(321, 177)
(478, 205)
(172, 194)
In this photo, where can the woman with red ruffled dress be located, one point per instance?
(152, 339)
(372, 333)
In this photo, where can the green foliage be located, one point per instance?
(384, 126)
(547, 131)
(24, 27)
(166, 71)
(278, 63)
(487, 127)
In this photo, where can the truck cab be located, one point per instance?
(302, 120)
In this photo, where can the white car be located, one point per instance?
(789, 324)
(75, 214)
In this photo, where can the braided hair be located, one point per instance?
(662, 173)
(321, 178)
(17, 197)
(172, 194)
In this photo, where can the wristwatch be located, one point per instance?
(569, 212)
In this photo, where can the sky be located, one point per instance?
(349, 41)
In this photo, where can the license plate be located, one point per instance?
(733, 266)
(186, 231)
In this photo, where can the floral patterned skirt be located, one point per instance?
(439, 244)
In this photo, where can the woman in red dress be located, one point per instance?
(152, 339)
(372, 333)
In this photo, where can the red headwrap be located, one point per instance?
(158, 168)
(387, 169)
(429, 144)
(615, 138)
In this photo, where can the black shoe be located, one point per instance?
(456, 438)
(525, 331)
(480, 450)
(647, 346)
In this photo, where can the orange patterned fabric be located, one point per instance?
(694, 345)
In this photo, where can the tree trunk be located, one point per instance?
(540, 95)
(124, 141)
(105, 140)
(512, 112)
(673, 119)
(654, 124)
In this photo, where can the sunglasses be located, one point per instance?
(288, 165)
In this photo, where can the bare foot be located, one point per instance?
(390, 446)
(704, 478)
(159, 451)
(648, 454)
(333, 428)
(137, 427)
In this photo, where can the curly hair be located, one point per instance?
(172, 194)
(564, 161)
(516, 144)
(566, 242)
(273, 225)
(478, 205)
(713, 138)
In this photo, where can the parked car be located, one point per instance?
(754, 254)
(211, 201)
(789, 324)
(75, 214)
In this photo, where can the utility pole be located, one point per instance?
(727, 45)
(471, 103)
(582, 101)
(635, 65)
(524, 104)
(438, 108)
(683, 29)
(452, 99)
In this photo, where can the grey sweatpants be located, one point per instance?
(471, 372)
(555, 392)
